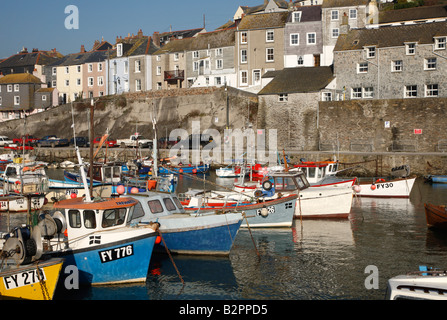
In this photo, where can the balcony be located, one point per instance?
(175, 75)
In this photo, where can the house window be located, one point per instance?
(397, 66)
(270, 36)
(195, 54)
(158, 85)
(283, 97)
(158, 58)
(270, 55)
(90, 82)
(9, 88)
(370, 52)
(100, 81)
(219, 64)
(244, 78)
(256, 77)
(411, 91)
(352, 13)
(44, 98)
(54, 71)
(67, 70)
(138, 85)
(430, 64)
(431, 90)
(217, 81)
(90, 67)
(99, 66)
(79, 69)
(195, 66)
(296, 16)
(356, 93)
(119, 49)
(335, 32)
(334, 15)
(16, 100)
(126, 67)
(362, 67)
(219, 52)
(176, 56)
(243, 56)
(311, 38)
(410, 48)
(137, 66)
(53, 84)
(78, 82)
(67, 83)
(16, 88)
(158, 70)
(294, 39)
(368, 93)
(440, 43)
(327, 96)
(244, 37)
(300, 61)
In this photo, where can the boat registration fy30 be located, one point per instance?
(22, 279)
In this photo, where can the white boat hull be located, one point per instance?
(324, 202)
(397, 188)
(20, 204)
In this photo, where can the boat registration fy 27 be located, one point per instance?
(25, 278)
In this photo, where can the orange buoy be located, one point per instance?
(373, 187)
(194, 170)
(73, 195)
(151, 184)
(158, 240)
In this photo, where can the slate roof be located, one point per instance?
(214, 39)
(80, 58)
(165, 37)
(136, 47)
(28, 59)
(308, 13)
(264, 21)
(343, 3)
(19, 78)
(298, 80)
(391, 36)
(413, 14)
(255, 9)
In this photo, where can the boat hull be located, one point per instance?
(397, 188)
(122, 261)
(22, 282)
(201, 235)
(436, 216)
(183, 169)
(324, 202)
(21, 203)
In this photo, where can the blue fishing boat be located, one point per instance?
(96, 237)
(209, 233)
(188, 169)
(436, 178)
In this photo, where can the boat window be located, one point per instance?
(320, 172)
(311, 172)
(155, 206)
(89, 219)
(74, 218)
(178, 203)
(138, 211)
(169, 204)
(113, 217)
(284, 184)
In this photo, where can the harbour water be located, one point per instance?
(313, 260)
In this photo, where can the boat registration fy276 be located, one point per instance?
(25, 278)
(116, 253)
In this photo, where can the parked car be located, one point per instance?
(28, 139)
(202, 139)
(52, 141)
(165, 143)
(135, 140)
(80, 141)
(111, 143)
(5, 141)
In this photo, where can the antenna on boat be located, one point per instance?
(81, 163)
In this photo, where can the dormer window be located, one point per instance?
(440, 43)
(370, 52)
(296, 16)
(119, 50)
(410, 49)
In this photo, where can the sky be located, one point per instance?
(42, 24)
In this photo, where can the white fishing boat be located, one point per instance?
(425, 284)
(229, 172)
(20, 203)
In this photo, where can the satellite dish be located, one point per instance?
(60, 221)
(36, 236)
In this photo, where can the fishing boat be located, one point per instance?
(229, 172)
(384, 188)
(203, 233)
(436, 178)
(21, 203)
(436, 216)
(102, 174)
(179, 169)
(425, 284)
(62, 189)
(23, 274)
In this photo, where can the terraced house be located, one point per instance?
(408, 61)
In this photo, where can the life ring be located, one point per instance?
(380, 180)
(267, 185)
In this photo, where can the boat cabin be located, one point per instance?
(80, 218)
(317, 171)
(25, 178)
(109, 174)
(287, 181)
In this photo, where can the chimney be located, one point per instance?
(156, 38)
(82, 49)
(344, 26)
(140, 33)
